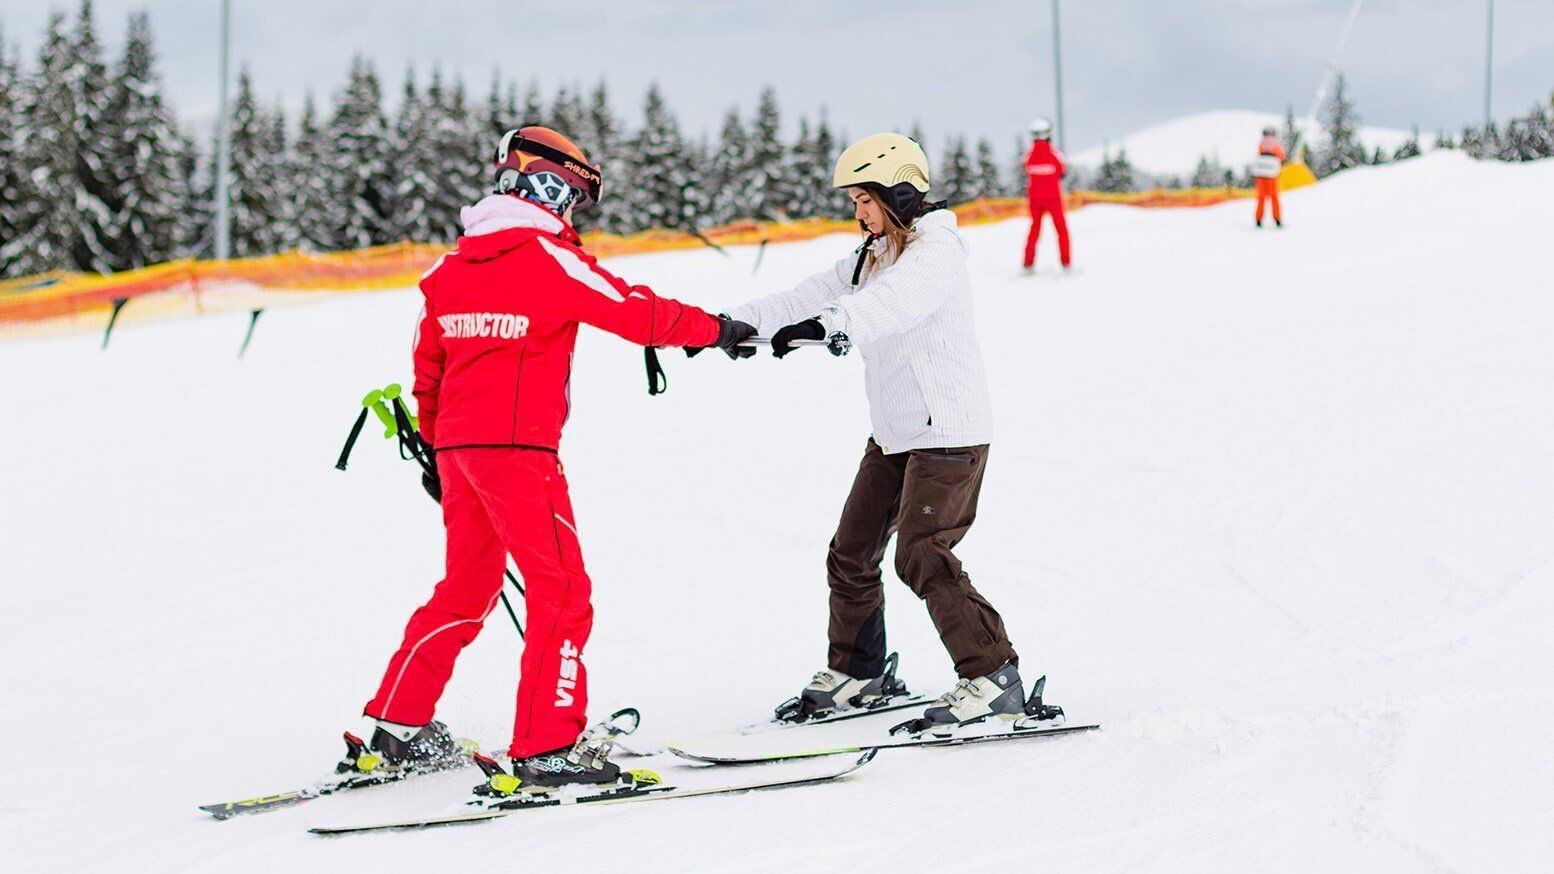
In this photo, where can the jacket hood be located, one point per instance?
(498, 223)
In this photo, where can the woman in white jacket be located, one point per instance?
(905, 304)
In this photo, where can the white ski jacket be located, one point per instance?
(912, 323)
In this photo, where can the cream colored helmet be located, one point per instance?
(1041, 129)
(893, 165)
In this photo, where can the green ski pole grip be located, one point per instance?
(393, 391)
(374, 401)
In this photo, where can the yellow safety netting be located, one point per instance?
(56, 302)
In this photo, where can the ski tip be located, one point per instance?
(867, 757)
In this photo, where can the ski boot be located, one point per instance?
(999, 694)
(399, 750)
(830, 691)
(537, 779)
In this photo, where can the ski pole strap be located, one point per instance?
(411, 446)
(658, 381)
(350, 442)
(372, 401)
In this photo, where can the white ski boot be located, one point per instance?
(831, 691)
(1000, 694)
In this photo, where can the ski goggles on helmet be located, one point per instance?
(545, 171)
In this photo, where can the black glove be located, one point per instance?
(731, 332)
(809, 329)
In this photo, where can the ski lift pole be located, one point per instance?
(1327, 77)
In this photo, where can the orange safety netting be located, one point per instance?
(57, 301)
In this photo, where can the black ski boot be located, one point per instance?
(830, 691)
(390, 756)
(585, 765)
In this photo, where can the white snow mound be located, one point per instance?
(1229, 136)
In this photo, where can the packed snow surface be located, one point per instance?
(1275, 507)
(1228, 136)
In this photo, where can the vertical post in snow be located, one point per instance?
(1057, 75)
(224, 144)
(113, 318)
(253, 319)
(1489, 63)
(1327, 76)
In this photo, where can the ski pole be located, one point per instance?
(373, 402)
(767, 341)
(838, 343)
(399, 423)
(411, 446)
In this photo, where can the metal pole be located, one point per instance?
(224, 145)
(1057, 74)
(1327, 75)
(1489, 62)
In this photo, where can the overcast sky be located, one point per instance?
(960, 66)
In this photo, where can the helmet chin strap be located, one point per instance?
(863, 251)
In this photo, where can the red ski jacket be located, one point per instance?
(1044, 168)
(493, 352)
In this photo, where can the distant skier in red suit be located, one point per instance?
(1044, 169)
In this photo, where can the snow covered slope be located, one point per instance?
(1273, 506)
(1229, 136)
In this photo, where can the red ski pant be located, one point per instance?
(1268, 189)
(500, 501)
(1059, 223)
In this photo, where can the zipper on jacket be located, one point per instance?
(566, 389)
(517, 382)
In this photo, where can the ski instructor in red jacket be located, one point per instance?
(1044, 169)
(493, 365)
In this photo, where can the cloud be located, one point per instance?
(975, 68)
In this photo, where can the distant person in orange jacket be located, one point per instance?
(1270, 160)
(1044, 170)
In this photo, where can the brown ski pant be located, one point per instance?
(928, 498)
